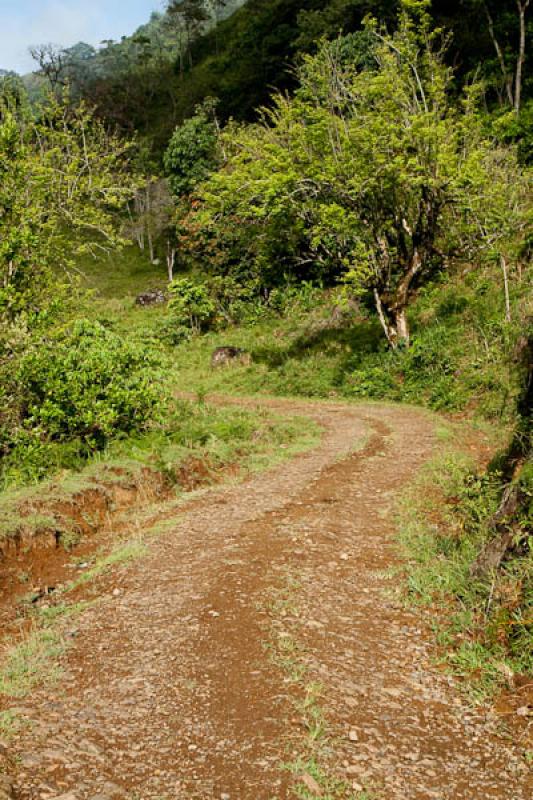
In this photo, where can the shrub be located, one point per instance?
(86, 383)
(191, 308)
(303, 297)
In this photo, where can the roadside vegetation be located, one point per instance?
(484, 619)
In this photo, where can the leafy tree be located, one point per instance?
(192, 16)
(13, 94)
(63, 183)
(388, 177)
(192, 152)
(329, 20)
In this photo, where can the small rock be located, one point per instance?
(112, 789)
(353, 736)
(224, 796)
(66, 796)
(357, 787)
(393, 692)
(6, 788)
(310, 783)
(523, 711)
(354, 769)
(116, 592)
(151, 298)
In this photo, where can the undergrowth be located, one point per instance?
(461, 358)
(484, 625)
(306, 341)
(188, 431)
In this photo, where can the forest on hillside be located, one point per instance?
(353, 174)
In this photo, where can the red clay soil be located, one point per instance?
(169, 690)
(35, 565)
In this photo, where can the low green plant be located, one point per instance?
(331, 788)
(190, 308)
(10, 723)
(87, 382)
(74, 391)
(31, 662)
(488, 619)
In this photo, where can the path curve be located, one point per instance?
(169, 691)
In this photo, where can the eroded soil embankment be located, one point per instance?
(48, 535)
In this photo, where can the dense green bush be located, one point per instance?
(85, 383)
(190, 309)
(191, 154)
(218, 301)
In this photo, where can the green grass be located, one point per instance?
(121, 275)
(35, 659)
(32, 662)
(311, 751)
(484, 626)
(114, 281)
(218, 437)
(330, 788)
(121, 554)
(10, 723)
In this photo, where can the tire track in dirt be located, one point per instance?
(168, 691)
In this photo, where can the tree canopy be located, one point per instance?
(383, 173)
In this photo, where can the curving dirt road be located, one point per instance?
(188, 680)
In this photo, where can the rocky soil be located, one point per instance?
(173, 686)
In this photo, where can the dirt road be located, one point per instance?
(258, 631)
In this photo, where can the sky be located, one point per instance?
(29, 22)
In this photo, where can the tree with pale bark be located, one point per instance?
(511, 60)
(64, 184)
(386, 174)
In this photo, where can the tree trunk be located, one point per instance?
(171, 259)
(393, 321)
(506, 289)
(522, 8)
(388, 329)
(402, 326)
(507, 79)
(139, 210)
